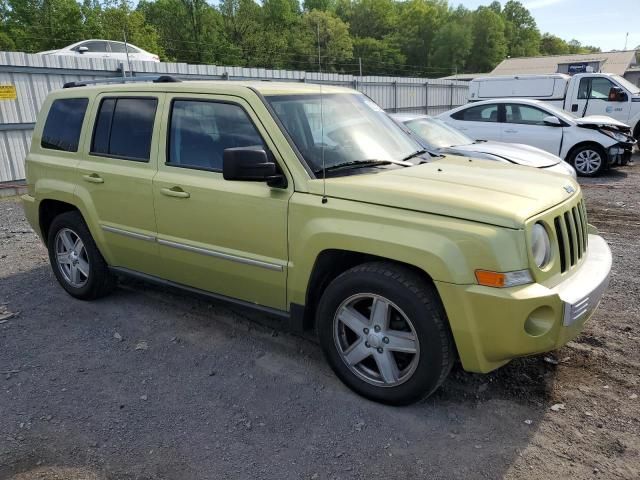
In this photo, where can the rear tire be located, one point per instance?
(588, 160)
(75, 259)
(385, 334)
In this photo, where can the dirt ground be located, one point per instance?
(153, 384)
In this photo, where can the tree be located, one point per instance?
(453, 46)
(420, 20)
(552, 45)
(335, 43)
(379, 57)
(521, 31)
(489, 43)
(372, 18)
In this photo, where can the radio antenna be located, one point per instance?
(324, 171)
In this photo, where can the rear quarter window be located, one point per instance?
(63, 124)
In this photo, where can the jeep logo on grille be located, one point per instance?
(569, 189)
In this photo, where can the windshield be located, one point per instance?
(436, 133)
(626, 84)
(355, 129)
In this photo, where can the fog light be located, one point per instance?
(540, 321)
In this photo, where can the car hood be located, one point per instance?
(489, 192)
(513, 152)
(48, 52)
(601, 121)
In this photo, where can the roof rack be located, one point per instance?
(145, 78)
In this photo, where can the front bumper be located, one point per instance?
(492, 326)
(620, 153)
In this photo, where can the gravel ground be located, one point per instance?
(153, 384)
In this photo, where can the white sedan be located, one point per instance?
(591, 144)
(105, 49)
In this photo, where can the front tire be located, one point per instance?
(385, 334)
(589, 160)
(75, 259)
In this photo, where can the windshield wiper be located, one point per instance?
(363, 164)
(414, 154)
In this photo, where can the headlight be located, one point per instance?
(619, 137)
(540, 245)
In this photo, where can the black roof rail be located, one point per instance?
(145, 78)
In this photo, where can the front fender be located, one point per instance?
(447, 249)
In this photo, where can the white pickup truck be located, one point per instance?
(583, 94)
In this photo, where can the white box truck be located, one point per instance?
(582, 94)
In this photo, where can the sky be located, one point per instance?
(599, 23)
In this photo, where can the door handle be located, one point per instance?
(175, 192)
(574, 107)
(93, 178)
(511, 130)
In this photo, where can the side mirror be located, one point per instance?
(251, 164)
(552, 121)
(617, 94)
(83, 49)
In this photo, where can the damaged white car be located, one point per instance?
(591, 144)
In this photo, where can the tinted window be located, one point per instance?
(525, 114)
(479, 113)
(63, 124)
(93, 46)
(200, 132)
(124, 127)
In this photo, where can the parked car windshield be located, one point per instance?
(436, 133)
(349, 128)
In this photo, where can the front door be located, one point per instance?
(115, 176)
(525, 124)
(225, 237)
(593, 99)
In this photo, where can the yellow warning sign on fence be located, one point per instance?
(8, 92)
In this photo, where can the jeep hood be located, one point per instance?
(512, 152)
(488, 192)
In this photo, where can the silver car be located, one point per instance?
(439, 138)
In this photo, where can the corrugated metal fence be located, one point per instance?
(34, 76)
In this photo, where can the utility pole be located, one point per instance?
(126, 49)
(626, 39)
(360, 64)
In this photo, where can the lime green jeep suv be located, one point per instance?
(310, 203)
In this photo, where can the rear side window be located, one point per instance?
(479, 113)
(124, 127)
(64, 123)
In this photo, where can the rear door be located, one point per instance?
(524, 124)
(115, 177)
(480, 122)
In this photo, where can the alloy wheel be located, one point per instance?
(588, 161)
(72, 257)
(376, 340)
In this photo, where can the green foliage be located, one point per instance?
(489, 42)
(410, 37)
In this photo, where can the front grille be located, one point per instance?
(571, 233)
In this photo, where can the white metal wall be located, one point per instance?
(34, 76)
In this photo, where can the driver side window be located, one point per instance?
(598, 86)
(200, 131)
